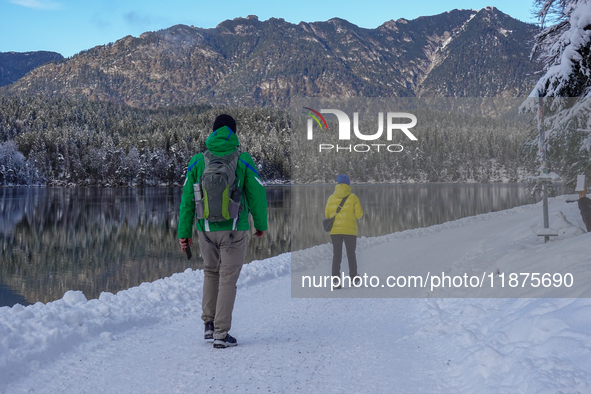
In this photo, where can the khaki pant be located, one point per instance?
(221, 274)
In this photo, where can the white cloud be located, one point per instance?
(38, 4)
(138, 19)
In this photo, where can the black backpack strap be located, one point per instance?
(341, 204)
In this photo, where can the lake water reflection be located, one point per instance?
(107, 239)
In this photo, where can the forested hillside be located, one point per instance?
(88, 143)
(67, 142)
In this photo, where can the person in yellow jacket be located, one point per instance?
(344, 228)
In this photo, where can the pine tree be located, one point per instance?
(565, 50)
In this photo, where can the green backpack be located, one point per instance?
(216, 196)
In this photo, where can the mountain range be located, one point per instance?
(245, 61)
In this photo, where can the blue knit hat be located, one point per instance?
(343, 179)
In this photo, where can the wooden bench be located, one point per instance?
(547, 232)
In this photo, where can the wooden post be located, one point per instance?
(581, 186)
(543, 167)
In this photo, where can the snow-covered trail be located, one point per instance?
(285, 345)
(341, 345)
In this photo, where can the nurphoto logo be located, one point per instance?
(392, 124)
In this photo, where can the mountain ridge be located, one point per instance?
(246, 61)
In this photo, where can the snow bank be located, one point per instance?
(32, 335)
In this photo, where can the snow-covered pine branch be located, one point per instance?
(564, 48)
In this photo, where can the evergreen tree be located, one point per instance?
(565, 49)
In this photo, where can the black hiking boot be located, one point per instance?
(208, 330)
(336, 283)
(228, 341)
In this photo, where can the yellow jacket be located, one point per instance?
(346, 221)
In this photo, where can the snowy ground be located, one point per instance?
(149, 339)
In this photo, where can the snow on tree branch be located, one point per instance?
(564, 48)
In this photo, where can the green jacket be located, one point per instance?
(222, 142)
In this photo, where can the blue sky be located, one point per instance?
(70, 26)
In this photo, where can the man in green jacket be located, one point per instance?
(222, 244)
